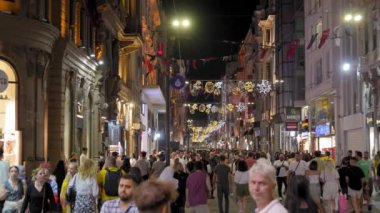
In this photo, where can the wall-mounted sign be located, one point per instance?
(291, 126)
(3, 81)
(293, 114)
(322, 130)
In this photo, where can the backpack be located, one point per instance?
(111, 183)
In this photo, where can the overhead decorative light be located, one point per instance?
(264, 87)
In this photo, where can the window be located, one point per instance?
(267, 37)
(318, 72)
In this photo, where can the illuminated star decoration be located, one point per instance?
(240, 107)
(264, 87)
(218, 84)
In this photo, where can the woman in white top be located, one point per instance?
(241, 183)
(330, 178)
(86, 187)
(314, 181)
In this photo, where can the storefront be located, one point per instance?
(10, 139)
(322, 124)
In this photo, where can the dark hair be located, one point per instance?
(126, 165)
(18, 170)
(222, 158)
(346, 161)
(132, 177)
(359, 153)
(298, 192)
(250, 154)
(143, 154)
(84, 149)
(135, 171)
(313, 165)
(1, 152)
(198, 165)
(114, 154)
(242, 166)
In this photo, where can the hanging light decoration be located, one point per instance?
(209, 87)
(264, 87)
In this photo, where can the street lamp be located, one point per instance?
(346, 66)
(353, 17)
(181, 23)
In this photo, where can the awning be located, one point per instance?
(152, 95)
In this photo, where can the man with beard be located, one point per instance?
(125, 203)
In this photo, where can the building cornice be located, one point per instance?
(27, 32)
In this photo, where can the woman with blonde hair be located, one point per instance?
(71, 171)
(86, 187)
(330, 178)
(39, 195)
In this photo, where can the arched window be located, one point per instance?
(9, 137)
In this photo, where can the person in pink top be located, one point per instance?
(197, 188)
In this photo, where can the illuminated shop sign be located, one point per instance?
(322, 130)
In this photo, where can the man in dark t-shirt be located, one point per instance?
(222, 179)
(355, 181)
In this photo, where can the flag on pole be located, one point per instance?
(312, 39)
(292, 50)
(325, 35)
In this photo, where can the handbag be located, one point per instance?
(72, 193)
(342, 203)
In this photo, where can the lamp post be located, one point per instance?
(346, 73)
(179, 25)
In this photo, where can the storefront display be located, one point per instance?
(9, 137)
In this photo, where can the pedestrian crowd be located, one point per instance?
(304, 182)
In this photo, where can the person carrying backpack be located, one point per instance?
(108, 180)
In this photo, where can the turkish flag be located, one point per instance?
(292, 50)
(325, 35)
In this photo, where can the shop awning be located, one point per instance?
(153, 96)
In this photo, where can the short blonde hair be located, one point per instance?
(264, 167)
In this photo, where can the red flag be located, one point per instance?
(292, 50)
(149, 65)
(325, 35)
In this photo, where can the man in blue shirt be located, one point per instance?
(124, 204)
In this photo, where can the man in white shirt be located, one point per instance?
(298, 167)
(83, 156)
(282, 167)
(4, 170)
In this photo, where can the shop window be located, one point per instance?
(9, 136)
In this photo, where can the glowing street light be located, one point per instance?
(350, 17)
(185, 23)
(346, 67)
(181, 23)
(175, 23)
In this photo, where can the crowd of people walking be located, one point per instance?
(304, 183)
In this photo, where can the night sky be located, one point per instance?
(217, 26)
